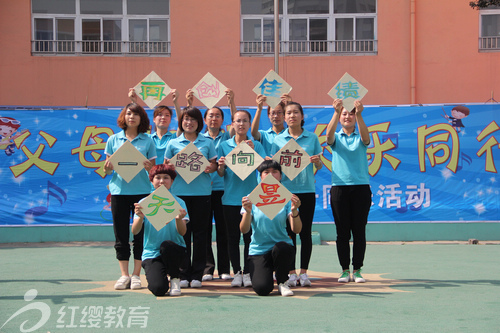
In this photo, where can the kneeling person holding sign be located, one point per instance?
(164, 249)
(270, 248)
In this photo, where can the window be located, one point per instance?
(489, 39)
(111, 27)
(309, 26)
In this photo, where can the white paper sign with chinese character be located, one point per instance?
(128, 161)
(272, 86)
(152, 90)
(292, 158)
(243, 160)
(209, 90)
(160, 207)
(189, 163)
(270, 196)
(348, 90)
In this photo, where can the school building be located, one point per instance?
(89, 52)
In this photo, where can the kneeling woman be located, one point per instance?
(271, 250)
(165, 249)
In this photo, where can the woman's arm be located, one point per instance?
(254, 130)
(332, 125)
(139, 220)
(362, 128)
(180, 224)
(246, 220)
(295, 221)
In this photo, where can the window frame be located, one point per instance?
(488, 43)
(331, 46)
(100, 47)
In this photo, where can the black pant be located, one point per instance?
(199, 223)
(350, 207)
(220, 238)
(278, 260)
(122, 208)
(156, 269)
(306, 212)
(232, 215)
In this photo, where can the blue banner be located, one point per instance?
(434, 163)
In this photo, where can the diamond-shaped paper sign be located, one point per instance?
(152, 90)
(348, 90)
(270, 196)
(160, 207)
(292, 158)
(189, 163)
(272, 86)
(127, 161)
(209, 90)
(243, 160)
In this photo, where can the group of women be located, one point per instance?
(219, 194)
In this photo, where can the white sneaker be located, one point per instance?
(237, 280)
(285, 290)
(304, 280)
(225, 276)
(292, 280)
(196, 284)
(123, 283)
(247, 281)
(175, 287)
(207, 277)
(135, 282)
(357, 277)
(184, 283)
(345, 276)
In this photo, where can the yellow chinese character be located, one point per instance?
(438, 153)
(92, 132)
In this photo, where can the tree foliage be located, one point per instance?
(484, 3)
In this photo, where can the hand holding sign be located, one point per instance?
(160, 207)
(270, 196)
(273, 87)
(152, 90)
(348, 90)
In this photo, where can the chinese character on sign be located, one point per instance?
(292, 159)
(487, 147)
(243, 158)
(34, 158)
(272, 86)
(206, 90)
(270, 196)
(209, 90)
(380, 148)
(192, 160)
(161, 202)
(349, 90)
(152, 89)
(91, 142)
(434, 142)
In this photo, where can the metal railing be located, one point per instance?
(489, 43)
(310, 47)
(48, 47)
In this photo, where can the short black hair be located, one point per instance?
(269, 164)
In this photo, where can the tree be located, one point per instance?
(484, 3)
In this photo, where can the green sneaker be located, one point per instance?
(345, 277)
(356, 275)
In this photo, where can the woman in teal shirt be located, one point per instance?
(134, 122)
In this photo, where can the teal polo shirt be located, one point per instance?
(266, 232)
(349, 161)
(153, 238)
(234, 187)
(267, 138)
(140, 184)
(304, 182)
(201, 185)
(161, 145)
(217, 182)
